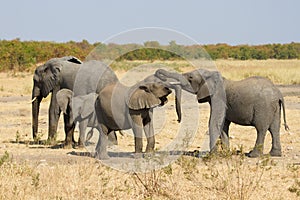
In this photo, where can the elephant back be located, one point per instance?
(92, 77)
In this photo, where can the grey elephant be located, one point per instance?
(66, 72)
(254, 101)
(120, 107)
(84, 113)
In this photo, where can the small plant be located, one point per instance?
(154, 182)
(35, 180)
(189, 166)
(4, 158)
(18, 136)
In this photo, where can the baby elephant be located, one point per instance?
(76, 110)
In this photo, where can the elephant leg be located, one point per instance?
(69, 131)
(54, 113)
(101, 148)
(225, 135)
(149, 132)
(216, 120)
(259, 144)
(137, 127)
(275, 133)
(82, 129)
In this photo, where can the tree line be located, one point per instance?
(23, 55)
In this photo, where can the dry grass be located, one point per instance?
(232, 177)
(278, 71)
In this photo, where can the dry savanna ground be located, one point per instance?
(29, 171)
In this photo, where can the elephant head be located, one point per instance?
(209, 87)
(177, 82)
(46, 78)
(148, 95)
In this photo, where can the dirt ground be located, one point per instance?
(15, 134)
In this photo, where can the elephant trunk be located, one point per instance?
(178, 102)
(35, 112)
(184, 83)
(169, 78)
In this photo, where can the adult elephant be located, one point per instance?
(66, 72)
(254, 101)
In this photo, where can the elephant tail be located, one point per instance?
(286, 127)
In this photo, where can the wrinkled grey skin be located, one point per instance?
(257, 102)
(254, 102)
(58, 73)
(119, 108)
(86, 117)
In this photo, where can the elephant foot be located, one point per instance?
(67, 146)
(51, 141)
(149, 150)
(138, 155)
(101, 156)
(275, 153)
(254, 154)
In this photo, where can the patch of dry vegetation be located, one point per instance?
(232, 177)
(278, 71)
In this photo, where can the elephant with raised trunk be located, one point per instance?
(58, 73)
(254, 101)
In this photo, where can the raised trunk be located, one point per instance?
(166, 76)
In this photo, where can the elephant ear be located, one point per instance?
(209, 85)
(84, 105)
(48, 74)
(204, 91)
(64, 99)
(142, 98)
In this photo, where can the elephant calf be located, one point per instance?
(120, 107)
(77, 110)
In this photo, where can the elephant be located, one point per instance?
(66, 102)
(254, 101)
(64, 72)
(119, 107)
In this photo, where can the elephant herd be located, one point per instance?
(91, 94)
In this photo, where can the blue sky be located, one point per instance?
(206, 21)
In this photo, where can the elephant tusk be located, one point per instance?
(175, 83)
(33, 100)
